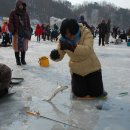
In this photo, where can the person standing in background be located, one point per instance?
(38, 32)
(82, 20)
(107, 36)
(5, 34)
(102, 32)
(19, 26)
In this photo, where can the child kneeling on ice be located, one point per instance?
(77, 41)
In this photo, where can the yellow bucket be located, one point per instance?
(44, 61)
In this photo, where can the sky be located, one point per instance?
(120, 3)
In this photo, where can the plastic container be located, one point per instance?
(43, 61)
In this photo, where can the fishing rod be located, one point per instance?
(63, 123)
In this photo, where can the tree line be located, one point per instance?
(93, 12)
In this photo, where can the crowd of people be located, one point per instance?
(43, 32)
(105, 30)
(46, 33)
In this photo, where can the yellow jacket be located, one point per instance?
(83, 60)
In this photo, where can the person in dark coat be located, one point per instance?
(128, 33)
(47, 32)
(43, 32)
(115, 31)
(54, 33)
(81, 20)
(123, 36)
(107, 36)
(19, 26)
(102, 32)
(93, 31)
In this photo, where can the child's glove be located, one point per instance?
(67, 46)
(54, 55)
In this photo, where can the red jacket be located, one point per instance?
(38, 30)
(5, 28)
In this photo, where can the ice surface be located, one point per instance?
(110, 114)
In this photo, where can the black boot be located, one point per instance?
(23, 58)
(17, 58)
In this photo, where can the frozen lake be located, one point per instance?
(78, 114)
